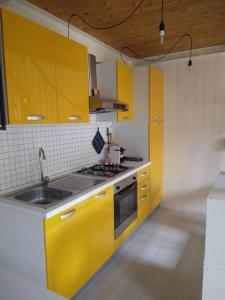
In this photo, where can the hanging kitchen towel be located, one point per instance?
(98, 142)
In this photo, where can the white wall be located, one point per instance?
(194, 136)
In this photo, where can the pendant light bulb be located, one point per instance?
(190, 64)
(161, 32)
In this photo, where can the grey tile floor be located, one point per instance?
(162, 260)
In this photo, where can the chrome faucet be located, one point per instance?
(42, 157)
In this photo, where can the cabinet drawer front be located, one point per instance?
(143, 206)
(143, 174)
(143, 186)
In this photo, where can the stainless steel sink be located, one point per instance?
(41, 196)
(56, 191)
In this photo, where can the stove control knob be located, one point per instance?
(118, 188)
(134, 178)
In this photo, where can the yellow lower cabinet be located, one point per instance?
(143, 200)
(67, 250)
(101, 229)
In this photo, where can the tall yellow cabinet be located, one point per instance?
(156, 81)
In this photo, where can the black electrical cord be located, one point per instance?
(186, 35)
(103, 28)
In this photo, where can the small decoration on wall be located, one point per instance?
(98, 142)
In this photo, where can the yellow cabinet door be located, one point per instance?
(101, 229)
(156, 157)
(143, 200)
(67, 250)
(124, 76)
(156, 81)
(72, 80)
(29, 70)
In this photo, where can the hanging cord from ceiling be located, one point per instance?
(162, 25)
(103, 28)
(186, 35)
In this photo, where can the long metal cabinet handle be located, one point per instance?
(69, 214)
(35, 118)
(74, 118)
(100, 196)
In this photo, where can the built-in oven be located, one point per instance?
(125, 204)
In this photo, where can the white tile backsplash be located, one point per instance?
(67, 147)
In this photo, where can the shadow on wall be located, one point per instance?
(186, 201)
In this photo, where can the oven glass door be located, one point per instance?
(125, 208)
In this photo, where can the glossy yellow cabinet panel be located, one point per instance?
(156, 157)
(125, 90)
(143, 174)
(156, 81)
(67, 250)
(72, 80)
(101, 229)
(143, 200)
(29, 70)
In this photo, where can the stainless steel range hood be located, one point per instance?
(102, 88)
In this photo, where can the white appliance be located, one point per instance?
(214, 263)
(114, 154)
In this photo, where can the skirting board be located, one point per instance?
(190, 211)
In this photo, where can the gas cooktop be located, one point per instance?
(103, 170)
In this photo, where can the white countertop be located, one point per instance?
(73, 200)
(218, 190)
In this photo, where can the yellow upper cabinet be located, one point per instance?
(125, 89)
(72, 80)
(29, 70)
(67, 250)
(156, 93)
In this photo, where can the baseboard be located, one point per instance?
(184, 210)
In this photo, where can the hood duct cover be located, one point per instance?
(98, 103)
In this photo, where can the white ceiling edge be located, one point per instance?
(36, 14)
(181, 54)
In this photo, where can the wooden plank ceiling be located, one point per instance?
(203, 19)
